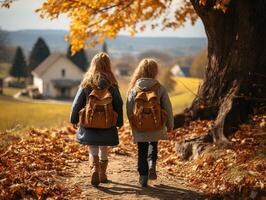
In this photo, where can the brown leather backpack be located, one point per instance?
(147, 113)
(98, 111)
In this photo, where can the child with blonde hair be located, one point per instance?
(149, 111)
(97, 108)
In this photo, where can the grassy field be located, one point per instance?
(185, 85)
(4, 69)
(123, 83)
(10, 91)
(18, 115)
(184, 93)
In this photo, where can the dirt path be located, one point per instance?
(124, 183)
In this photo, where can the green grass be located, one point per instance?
(4, 69)
(20, 115)
(8, 91)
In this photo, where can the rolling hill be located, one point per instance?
(120, 45)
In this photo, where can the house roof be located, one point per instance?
(41, 68)
(48, 62)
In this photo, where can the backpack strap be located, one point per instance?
(87, 92)
(156, 87)
(137, 89)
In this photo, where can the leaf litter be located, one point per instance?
(31, 168)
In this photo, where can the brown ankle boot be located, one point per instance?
(95, 171)
(102, 173)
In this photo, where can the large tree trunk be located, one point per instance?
(235, 78)
(234, 84)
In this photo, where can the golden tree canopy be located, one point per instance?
(92, 21)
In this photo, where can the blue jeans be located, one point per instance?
(146, 151)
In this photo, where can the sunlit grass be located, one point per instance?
(181, 101)
(184, 85)
(19, 115)
(184, 93)
(4, 69)
(8, 91)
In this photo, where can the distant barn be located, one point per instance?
(57, 77)
(177, 71)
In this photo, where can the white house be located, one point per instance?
(57, 77)
(177, 71)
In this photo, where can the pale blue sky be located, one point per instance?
(21, 15)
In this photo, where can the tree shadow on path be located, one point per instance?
(160, 191)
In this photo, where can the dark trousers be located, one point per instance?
(146, 151)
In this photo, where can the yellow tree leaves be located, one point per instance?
(5, 3)
(222, 5)
(94, 20)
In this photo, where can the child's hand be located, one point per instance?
(75, 126)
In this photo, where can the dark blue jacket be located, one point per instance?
(95, 136)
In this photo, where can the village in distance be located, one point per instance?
(47, 69)
(36, 66)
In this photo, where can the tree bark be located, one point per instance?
(234, 83)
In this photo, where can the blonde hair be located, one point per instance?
(147, 68)
(100, 64)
